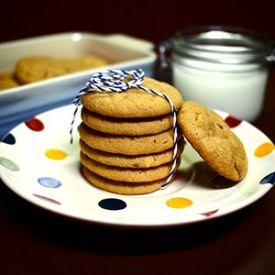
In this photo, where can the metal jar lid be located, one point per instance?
(224, 45)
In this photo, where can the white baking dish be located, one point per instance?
(23, 102)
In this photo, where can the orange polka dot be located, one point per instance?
(264, 149)
(55, 154)
(179, 202)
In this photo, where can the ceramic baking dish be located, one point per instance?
(23, 102)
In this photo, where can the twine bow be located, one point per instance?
(120, 81)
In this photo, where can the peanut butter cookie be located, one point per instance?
(213, 139)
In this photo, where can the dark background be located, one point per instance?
(150, 20)
(34, 241)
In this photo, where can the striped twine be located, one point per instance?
(120, 81)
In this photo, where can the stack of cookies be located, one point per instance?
(127, 138)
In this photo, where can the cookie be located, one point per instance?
(36, 68)
(127, 145)
(126, 126)
(7, 81)
(136, 161)
(134, 102)
(213, 139)
(80, 63)
(120, 187)
(126, 174)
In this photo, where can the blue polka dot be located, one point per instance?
(49, 182)
(270, 178)
(9, 139)
(112, 204)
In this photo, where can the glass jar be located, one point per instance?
(223, 68)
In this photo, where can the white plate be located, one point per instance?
(57, 185)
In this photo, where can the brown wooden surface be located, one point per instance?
(35, 241)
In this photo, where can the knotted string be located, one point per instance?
(120, 81)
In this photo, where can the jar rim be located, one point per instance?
(223, 44)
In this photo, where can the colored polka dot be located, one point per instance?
(9, 139)
(232, 121)
(270, 178)
(49, 182)
(210, 213)
(46, 199)
(35, 124)
(112, 204)
(10, 165)
(56, 154)
(264, 149)
(179, 202)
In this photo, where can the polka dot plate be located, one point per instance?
(38, 162)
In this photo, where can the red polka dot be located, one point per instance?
(232, 121)
(35, 124)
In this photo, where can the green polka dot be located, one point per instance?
(10, 165)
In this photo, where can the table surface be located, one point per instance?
(35, 241)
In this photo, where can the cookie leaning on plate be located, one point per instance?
(213, 139)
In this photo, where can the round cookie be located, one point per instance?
(127, 145)
(121, 187)
(126, 126)
(213, 139)
(138, 161)
(134, 102)
(80, 63)
(126, 174)
(35, 68)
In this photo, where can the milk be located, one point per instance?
(238, 91)
(223, 68)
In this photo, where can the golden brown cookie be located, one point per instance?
(80, 63)
(7, 81)
(35, 68)
(134, 102)
(126, 174)
(136, 161)
(126, 126)
(127, 145)
(213, 139)
(120, 187)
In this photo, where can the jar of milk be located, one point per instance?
(224, 68)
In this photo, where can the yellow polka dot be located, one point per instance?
(179, 202)
(264, 149)
(55, 154)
